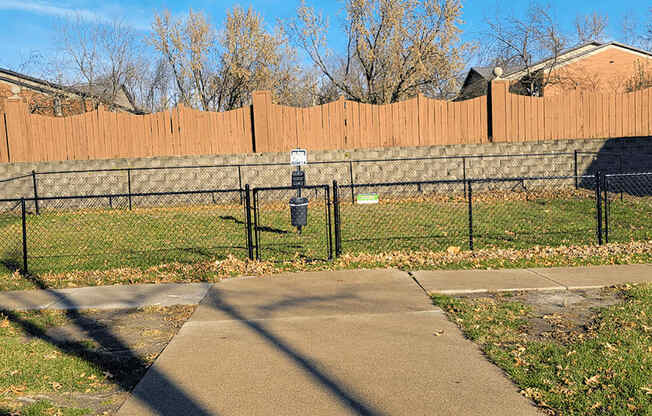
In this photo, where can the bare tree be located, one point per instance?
(152, 89)
(253, 58)
(219, 70)
(641, 78)
(521, 42)
(637, 31)
(394, 48)
(99, 56)
(188, 46)
(591, 27)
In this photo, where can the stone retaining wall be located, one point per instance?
(636, 156)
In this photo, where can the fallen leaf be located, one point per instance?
(592, 380)
(453, 250)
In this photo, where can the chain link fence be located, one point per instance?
(383, 217)
(103, 232)
(141, 229)
(526, 212)
(628, 207)
(275, 238)
(345, 172)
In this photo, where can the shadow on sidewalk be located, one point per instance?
(342, 393)
(126, 380)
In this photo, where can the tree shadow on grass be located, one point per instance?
(264, 229)
(127, 367)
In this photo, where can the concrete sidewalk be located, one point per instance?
(324, 343)
(333, 343)
(555, 278)
(105, 297)
(436, 281)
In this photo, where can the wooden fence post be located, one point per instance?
(5, 157)
(16, 113)
(262, 103)
(497, 100)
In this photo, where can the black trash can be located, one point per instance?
(299, 211)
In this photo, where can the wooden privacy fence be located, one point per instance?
(572, 115)
(267, 127)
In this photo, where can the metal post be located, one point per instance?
(240, 182)
(129, 187)
(327, 195)
(464, 174)
(620, 162)
(38, 212)
(577, 184)
(250, 242)
(351, 178)
(24, 219)
(598, 206)
(256, 231)
(299, 194)
(336, 214)
(470, 216)
(606, 211)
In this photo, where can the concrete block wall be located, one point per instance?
(638, 157)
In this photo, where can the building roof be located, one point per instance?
(567, 56)
(48, 87)
(572, 55)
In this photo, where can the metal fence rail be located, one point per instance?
(628, 207)
(346, 172)
(142, 229)
(475, 213)
(117, 230)
(274, 236)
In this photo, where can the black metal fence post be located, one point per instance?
(38, 211)
(352, 185)
(250, 242)
(598, 206)
(240, 181)
(621, 171)
(470, 193)
(256, 228)
(129, 187)
(606, 210)
(336, 214)
(24, 220)
(577, 183)
(464, 174)
(329, 225)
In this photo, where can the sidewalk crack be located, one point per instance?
(546, 277)
(418, 283)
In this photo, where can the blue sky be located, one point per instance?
(28, 25)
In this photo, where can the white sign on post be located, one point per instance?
(298, 157)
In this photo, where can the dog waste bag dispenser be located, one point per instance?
(299, 211)
(298, 204)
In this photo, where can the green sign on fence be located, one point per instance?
(365, 199)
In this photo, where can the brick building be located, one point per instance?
(47, 98)
(593, 66)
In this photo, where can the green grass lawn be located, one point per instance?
(61, 241)
(32, 365)
(605, 371)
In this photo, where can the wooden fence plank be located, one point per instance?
(419, 121)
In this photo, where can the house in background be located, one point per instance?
(47, 98)
(593, 66)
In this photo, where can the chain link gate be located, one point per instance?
(627, 207)
(274, 237)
